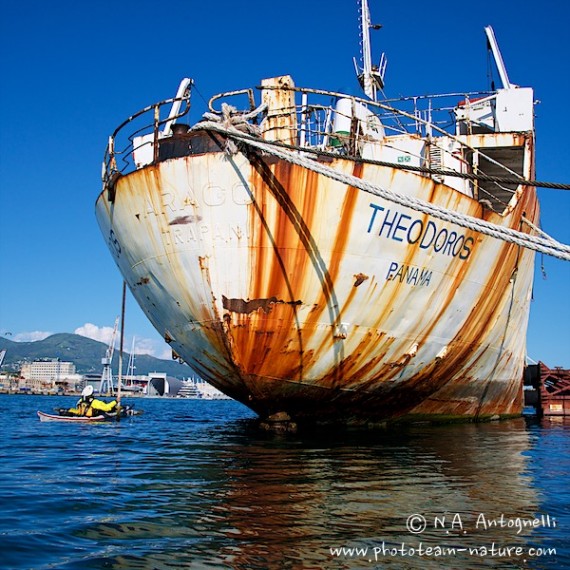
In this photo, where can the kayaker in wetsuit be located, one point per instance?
(89, 406)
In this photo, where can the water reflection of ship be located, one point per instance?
(295, 502)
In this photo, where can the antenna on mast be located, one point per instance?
(371, 78)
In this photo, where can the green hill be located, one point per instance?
(85, 353)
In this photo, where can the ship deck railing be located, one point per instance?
(429, 118)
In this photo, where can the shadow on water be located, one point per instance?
(195, 484)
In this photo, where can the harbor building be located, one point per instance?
(50, 375)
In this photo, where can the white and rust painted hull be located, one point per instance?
(292, 292)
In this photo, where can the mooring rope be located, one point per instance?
(232, 126)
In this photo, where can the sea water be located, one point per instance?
(196, 484)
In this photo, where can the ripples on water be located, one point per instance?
(194, 484)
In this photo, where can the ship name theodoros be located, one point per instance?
(392, 224)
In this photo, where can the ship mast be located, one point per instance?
(371, 77)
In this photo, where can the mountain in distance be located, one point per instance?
(86, 354)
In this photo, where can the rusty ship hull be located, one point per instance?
(294, 290)
(292, 293)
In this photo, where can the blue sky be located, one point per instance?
(72, 71)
